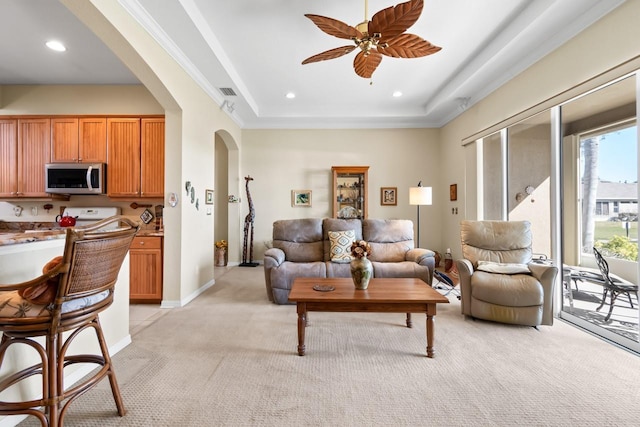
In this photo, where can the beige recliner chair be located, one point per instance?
(498, 282)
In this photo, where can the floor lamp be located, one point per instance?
(419, 196)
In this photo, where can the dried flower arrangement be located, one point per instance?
(360, 249)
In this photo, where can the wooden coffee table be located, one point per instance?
(402, 295)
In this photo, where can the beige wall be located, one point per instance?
(78, 99)
(606, 44)
(285, 160)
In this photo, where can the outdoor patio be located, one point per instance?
(588, 296)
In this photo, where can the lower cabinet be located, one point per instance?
(145, 276)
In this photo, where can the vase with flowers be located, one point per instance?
(221, 253)
(361, 267)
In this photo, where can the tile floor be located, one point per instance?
(143, 315)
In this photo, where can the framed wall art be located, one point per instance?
(388, 196)
(301, 198)
(208, 197)
(453, 192)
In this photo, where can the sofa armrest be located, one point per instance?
(546, 275)
(420, 256)
(273, 258)
(423, 257)
(465, 271)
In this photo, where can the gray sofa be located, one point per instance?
(301, 248)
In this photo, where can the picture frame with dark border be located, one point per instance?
(389, 196)
(301, 198)
(453, 192)
(208, 197)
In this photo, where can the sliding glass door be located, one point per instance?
(573, 172)
(600, 218)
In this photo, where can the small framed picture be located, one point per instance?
(208, 197)
(301, 198)
(388, 196)
(453, 192)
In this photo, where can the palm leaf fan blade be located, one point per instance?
(365, 65)
(395, 20)
(329, 54)
(335, 28)
(408, 46)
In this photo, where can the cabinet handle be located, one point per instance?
(141, 243)
(80, 159)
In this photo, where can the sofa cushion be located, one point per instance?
(517, 290)
(341, 242)
(282, 278)
(498, 241)
(299, 239)
(335, 269)
(390, 239)
(503, 267)
(336, 224)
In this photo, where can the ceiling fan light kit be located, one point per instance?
(384, 34)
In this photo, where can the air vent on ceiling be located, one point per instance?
(227, 91)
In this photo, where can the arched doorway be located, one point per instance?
(227, 212)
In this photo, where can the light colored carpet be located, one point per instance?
(229, 359)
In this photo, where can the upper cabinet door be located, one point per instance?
(8, 158)
(92, 140)
(152, 158)
(76, 140)
(123, 170)
(64, 140)
(34, 151)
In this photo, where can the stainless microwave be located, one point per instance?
(76, 178)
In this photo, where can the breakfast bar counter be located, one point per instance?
(12, 238)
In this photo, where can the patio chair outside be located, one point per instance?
(613, 285)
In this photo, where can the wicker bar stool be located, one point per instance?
(83, 285)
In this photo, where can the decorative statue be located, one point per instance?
(248, 223)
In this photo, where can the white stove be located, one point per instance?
(86, 216)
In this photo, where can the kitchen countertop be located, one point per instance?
(12, 237)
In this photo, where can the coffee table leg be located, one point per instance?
(409, 322)
(430, 327)
(302, 323)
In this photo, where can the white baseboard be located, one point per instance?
(188, 299)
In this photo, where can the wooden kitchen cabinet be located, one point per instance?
(24, 150)
(8, 158)
(135, 157)
(79, 140)
(123, 170)
(145, 270)
(152, 158)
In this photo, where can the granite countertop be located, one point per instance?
(28, 236)
(12, 233)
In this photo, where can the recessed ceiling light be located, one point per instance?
(56, 45)
(397, 94)
(290, 95)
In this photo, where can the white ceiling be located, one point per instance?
(256, 47)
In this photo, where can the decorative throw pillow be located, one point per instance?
(503, 268)
(341, 245)
(43, 293)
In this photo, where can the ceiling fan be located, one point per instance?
(383, 35)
